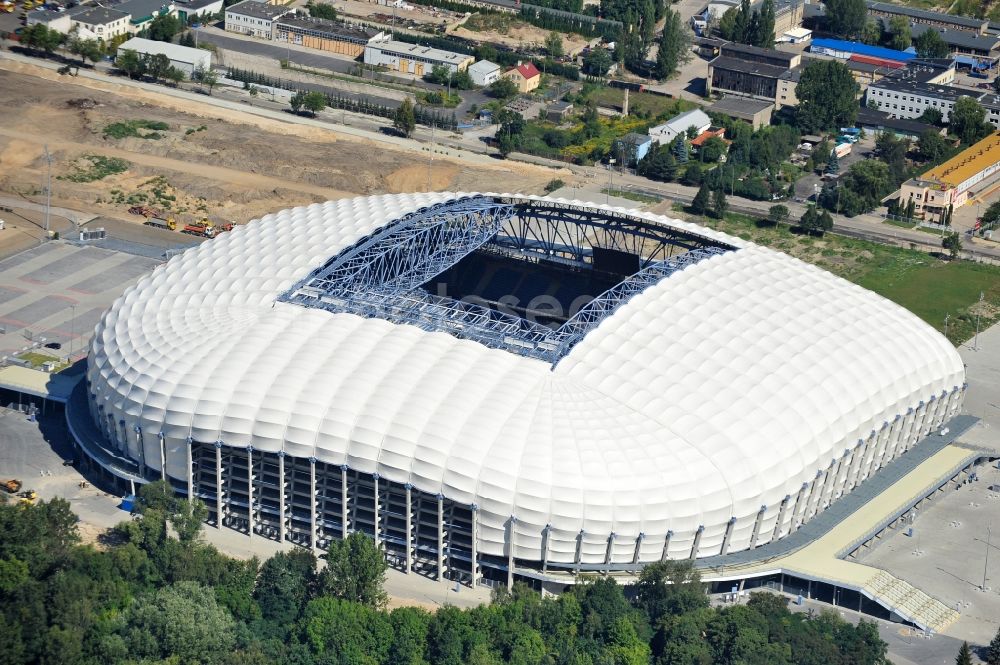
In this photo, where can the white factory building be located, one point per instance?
(413, 58)
(184, 58)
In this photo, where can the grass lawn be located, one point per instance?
(38, 359)
(631, 196)
(927, 286)
(641, 101)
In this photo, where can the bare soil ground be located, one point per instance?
(211, 162)
(521, 34)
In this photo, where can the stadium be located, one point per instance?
(491, 383)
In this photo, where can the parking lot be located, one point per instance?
(56, 293)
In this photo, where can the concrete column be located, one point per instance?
(800, 500)
(440, 498)
(545, 547)
(830, 486)
(409, 527)
(163, 457)
(882, 443)
(907, 430)
(609, 551)
(142, 452)
(475, 535)
(578, 556)
(250, 518)
(697, 542)
(666, 546)
(190, 470)
(343, 502)
(857, 454)
(729, 535)
(218, 484)
(312, 504)
(638, 548)
(510, 551)
(781, 517)
(378, 538)
(892, 440)
(756, 526)
(281, 496)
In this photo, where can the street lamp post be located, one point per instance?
(72, 331)
(975, 344)
(987, 561)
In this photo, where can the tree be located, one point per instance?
(964, 655)
(953, 243)
(658, 164)
(284, 585)
(597, 62)
(846, 18)
(931, 146)
(187, 39)
(404, 120)
(872, 32)
(347, 632)
(993, 650)
(729, 26)
(764, 36)
(712, 150)
(87, 49)
(409, 635)
(899, 31)
(670, 588)
(355, 571)
(968, 121)
(39, 36)
(314, 102)
(827, 95)
(554, 44)
(296, 102)
(157, 65)
(702, 200)
(673, 46)
(810, 218)
(930, 44)
(503, 88)
(163, 28)
(680, 149)
(833, 163)
(719, 204)
(129, 62)
(440, 74)
(777, 214)
(175, 76)
(207, 77)
(322, 10)
(510, 132)
(182, 621)
(932, 116)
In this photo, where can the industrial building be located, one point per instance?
(969, 47)
(755, 78)
(506, 386)
(142, 12)
(324, 35)
(755, 112)
(949, 185)
(251, 17)
(876, 122)
(184, 58)
(924, 17)
(188, 9)
(843, 50)
(414, 59)
(484, 73)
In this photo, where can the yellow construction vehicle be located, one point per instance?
(13, 485)
(28, 497)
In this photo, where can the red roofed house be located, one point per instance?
(707, 134)
(525, 76)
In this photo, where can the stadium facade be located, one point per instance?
(490, 382)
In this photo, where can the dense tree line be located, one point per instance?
(149, 597)
(749, 26)
(546, 14)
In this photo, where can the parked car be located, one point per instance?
(53, 345)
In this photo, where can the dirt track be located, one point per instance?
(214, 162)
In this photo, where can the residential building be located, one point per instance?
(921, 16)
(325, 35)
(184, 58)
(102, 23)
(631, 148)
(254, 18)
(666, 132)
(414, 59)
(58, 21)
(711, 132)
(755, 112)
(558, 111)
(877, 122)
(142, 12)
(951, 184)
(525, 76)
(484, 72)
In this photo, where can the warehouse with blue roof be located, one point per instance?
(839, 48)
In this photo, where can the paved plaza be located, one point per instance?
(58, 291)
